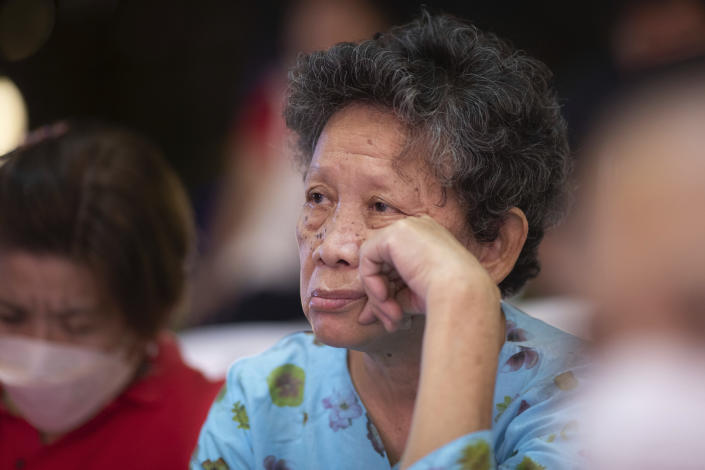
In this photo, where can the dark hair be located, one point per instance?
(105, 198)
(486, 115)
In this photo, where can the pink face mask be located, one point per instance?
(58, 387)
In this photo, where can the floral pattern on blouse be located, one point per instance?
(516, 334)
(475, 456)
(344, 407)
(526, 357)
(240, 416)
(566, 381)
(529, 464)
(286, 385)
(502, 407)
(272, 463)
(217, 465)
(296, 408)
(374, 437)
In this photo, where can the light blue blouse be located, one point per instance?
(294, 407)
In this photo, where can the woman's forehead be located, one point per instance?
(363, 130)
(48, 279)
(402, 174)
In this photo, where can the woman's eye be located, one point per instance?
(78, 324)
(76, 328)
(315, 197)
(11, 316)
(383, 207)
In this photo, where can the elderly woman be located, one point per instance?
(434, 157)
(94, 233)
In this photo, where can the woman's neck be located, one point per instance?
(386, 379)
(390, 374)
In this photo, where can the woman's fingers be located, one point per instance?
(374, 257)
(376, 286)
(381, 282)
(389, 313)
(401, 262)
(381, 290)
(410, 303)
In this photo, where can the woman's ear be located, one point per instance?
(498, 257)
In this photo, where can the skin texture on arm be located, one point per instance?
(458, 292)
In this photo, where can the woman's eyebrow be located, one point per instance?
(59, 313)
(71, 312)
(12, 306)
(375, 181)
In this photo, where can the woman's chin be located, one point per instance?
(344, 331)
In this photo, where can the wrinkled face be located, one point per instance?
(356, 184)
(52, 298)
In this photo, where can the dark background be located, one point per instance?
(178, 70)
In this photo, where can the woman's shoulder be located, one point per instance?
(296, 347)
(535, 351)
(522, 328)
(293, 356)
(541, 369)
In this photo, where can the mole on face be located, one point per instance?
(302, 239)
(369, 141)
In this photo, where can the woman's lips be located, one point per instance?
(333, 300)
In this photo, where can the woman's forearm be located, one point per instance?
(464, 334)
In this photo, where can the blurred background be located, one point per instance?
(182, 71)
(205, 81)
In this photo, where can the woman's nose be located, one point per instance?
(340, 242)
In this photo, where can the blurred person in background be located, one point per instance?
(95, 231)
(250, 271)
(434, 158)
(653, 33)
(645, 271)
(645, 37)
(641, 35)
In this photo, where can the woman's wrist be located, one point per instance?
(465, 300)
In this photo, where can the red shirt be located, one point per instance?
(153, 424)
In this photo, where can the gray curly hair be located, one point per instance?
(485, 113)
